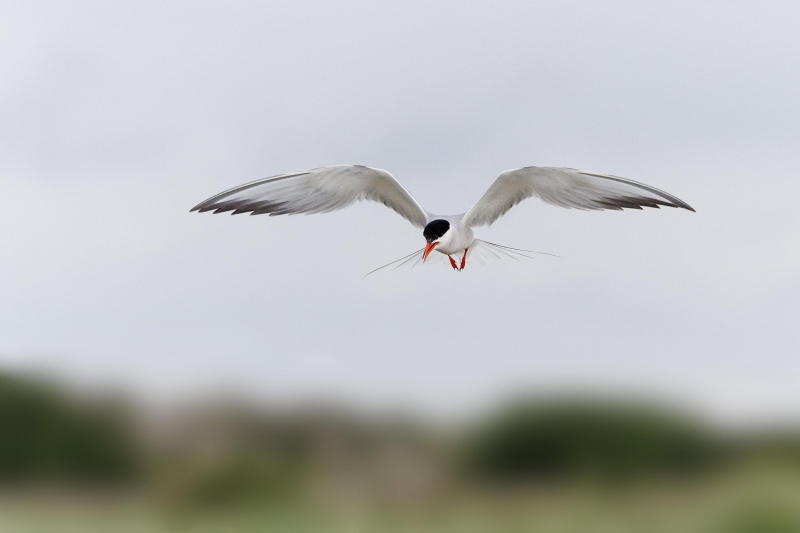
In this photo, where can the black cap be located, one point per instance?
(435, 229)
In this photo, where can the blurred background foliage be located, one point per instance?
(593, 465)
(48, 438)
(601, 441)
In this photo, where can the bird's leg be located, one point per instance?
(453, 263)
(464, 259)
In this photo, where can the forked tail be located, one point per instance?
(410, 258)
(480, 251)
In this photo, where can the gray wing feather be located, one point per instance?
(320, 190)
(565, 187)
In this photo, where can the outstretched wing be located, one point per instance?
(565, 187)
(320, 190)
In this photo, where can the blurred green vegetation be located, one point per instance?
(72, 463)
(762, 517)
(605, 442)
(47, 437)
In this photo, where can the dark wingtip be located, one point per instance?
(677, 202)
(680, 204)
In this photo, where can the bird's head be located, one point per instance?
(436, 232)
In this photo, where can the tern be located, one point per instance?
(326, 189)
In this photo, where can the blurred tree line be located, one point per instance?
(601, 441)
(47, 437)
(229, 453)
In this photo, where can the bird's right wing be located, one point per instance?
(320, 190)
(565, 187)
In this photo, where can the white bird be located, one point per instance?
(326, 189)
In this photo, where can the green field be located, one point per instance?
(750, 500)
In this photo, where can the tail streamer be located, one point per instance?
(482, 251)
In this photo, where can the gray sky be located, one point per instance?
(116, 118)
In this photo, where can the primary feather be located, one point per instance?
(565, 187)
(320, 190)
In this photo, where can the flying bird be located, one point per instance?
(326, 189)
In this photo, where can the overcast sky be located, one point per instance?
(117, 117)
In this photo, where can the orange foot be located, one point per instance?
(463, 260)
(453, 263)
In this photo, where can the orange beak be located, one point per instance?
(428, 249)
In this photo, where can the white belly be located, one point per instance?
(461, 239)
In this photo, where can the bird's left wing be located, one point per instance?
(565, 187)
(320, 190)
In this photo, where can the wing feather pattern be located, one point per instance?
(565, 187)
(320, 190)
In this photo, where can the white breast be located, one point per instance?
(456, 240)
